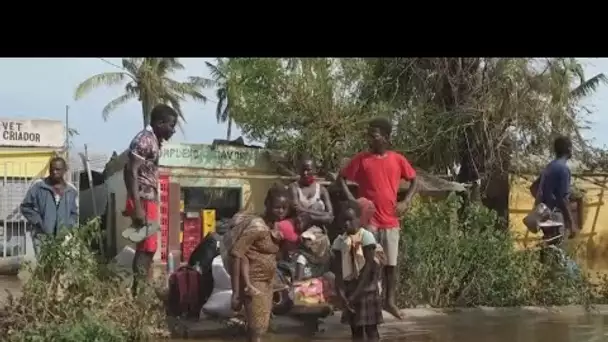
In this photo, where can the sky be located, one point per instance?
(41, 88)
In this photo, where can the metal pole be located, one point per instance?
(67, 132)
(90, 179)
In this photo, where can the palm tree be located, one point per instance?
(222, 110)
(148, 81)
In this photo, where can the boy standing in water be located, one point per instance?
(378, 173)
(141, 180)
(357, 264)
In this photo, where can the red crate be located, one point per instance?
(188, 247)
(192, 227)
(192, 236)
(163, 184)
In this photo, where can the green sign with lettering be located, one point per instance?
(212, 157)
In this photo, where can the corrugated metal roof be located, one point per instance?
(97, 161)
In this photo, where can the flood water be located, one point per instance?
(475, 328)
(457, 327)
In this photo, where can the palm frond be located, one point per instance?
(73, 132)
(185, 89)
(166, 66)
(201, 82)
(216, 73)
(117, 102)
(105, 79)
(150, 83)
(132, 64)
(589, 86)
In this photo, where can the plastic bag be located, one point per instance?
(221, 277)
(218, 304)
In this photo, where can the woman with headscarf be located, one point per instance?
(250, 250)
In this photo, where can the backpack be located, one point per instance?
(185, 293)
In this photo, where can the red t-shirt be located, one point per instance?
(378, 178)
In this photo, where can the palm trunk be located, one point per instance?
(146, 108)
(229, 129)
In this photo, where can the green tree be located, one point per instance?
(219, 73)
(299, 105)
(467, 110)
(490, 116)
(149, 81)
(479, 114)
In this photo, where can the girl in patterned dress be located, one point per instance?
(357, 264)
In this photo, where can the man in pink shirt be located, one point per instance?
(378, 173)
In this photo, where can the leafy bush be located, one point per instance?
(453, 260)
(71, 295)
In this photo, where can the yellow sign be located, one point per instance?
(181, 206)
(208, 221)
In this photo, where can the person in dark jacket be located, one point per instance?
(50, 204)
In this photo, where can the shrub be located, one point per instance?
(71, 295)
(453, 260)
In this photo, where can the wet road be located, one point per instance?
(458, 327)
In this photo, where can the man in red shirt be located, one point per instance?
(141, 180)
(378, 173)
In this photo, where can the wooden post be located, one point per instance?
(173, 243)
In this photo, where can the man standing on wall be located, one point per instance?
(378, 173)
(50, 204)
(141, 181)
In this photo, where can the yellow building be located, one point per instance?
(591, 244)
(25, 149)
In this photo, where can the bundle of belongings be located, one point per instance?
(315, 291)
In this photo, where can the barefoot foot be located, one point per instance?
(393, 310)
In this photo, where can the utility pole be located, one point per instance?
(67, 133)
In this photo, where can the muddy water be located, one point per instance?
(461, 327)
(477, 328)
